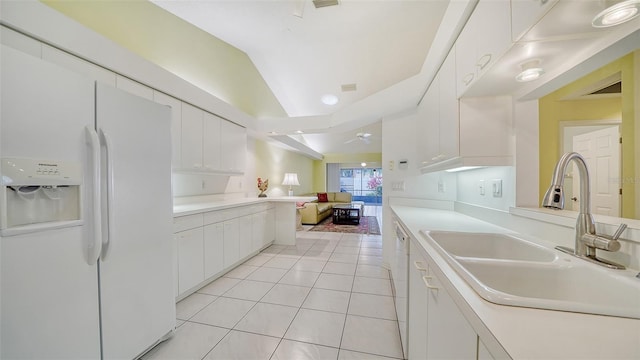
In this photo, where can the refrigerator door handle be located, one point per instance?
(106, 240)
(94, 244)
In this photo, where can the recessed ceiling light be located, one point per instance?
(299, 132)
(617, 14)
(363, 164)
(531, 70)
(329, 99)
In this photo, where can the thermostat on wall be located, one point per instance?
(403, 164)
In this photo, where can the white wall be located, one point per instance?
(469, 187)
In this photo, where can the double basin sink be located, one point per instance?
(505, 269)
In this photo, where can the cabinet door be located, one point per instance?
(449, 113)
(493, 35)
(213, 249)
(211, 146)
(449, 335)
(234, 147)
(191, 151)
(428, 123)
(190, 260)
(246, 235)
(176, 125)
(466, 52)
(270, 227)
(258, 232)
(231, 242)
(418, 304)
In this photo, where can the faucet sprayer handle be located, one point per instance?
(619, 232)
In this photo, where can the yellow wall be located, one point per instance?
(553, 111)
(158, 36)
(320, 166)
(273, 161)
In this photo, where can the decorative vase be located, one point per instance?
(263, 186)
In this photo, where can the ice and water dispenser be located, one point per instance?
(39, 194)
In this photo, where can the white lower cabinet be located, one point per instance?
(437, 328)
(258, 233)
(207, 245)
(213, 249)
(245, 224)
(190, 260)
(231, 242)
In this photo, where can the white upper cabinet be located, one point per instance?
(211, 144)
(485, 130)
(448, 129)
(234, 147)
(176, 125)
(191, 139)
(438, 122)
(526, 13)
(485, 37)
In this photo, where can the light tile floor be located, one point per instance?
(293, 303)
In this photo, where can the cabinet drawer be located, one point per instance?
(183, 223)
(213, 217)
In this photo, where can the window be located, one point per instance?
(365, 184)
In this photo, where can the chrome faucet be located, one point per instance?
(587, 241)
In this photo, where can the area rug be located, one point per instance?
(368, 225)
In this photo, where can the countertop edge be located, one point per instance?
(202, 207)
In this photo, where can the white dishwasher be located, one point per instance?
(400, 277)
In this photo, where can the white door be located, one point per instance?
(49, 297)
(136, 275)
(601, 150)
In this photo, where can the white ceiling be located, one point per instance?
(304, 53)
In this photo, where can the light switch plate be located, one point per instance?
(496, 186)
(481, 187)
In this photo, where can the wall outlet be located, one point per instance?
(481, 187)
(441, 187)
(397, 186)
(496, 186)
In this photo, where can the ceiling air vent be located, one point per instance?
(348, 87)
(324, 3)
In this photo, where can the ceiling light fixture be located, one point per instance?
(363, 164)
(329, 99)
(616, 14)
(531, 70)
(299, 132)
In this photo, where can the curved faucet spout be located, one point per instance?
(554, 198)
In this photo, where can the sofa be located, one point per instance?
(316, 211)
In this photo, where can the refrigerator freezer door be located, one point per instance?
(136, 278)
(49, 297)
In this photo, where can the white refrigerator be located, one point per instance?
(86, 209)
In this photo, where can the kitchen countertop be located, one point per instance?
(520, 332)
(200, 207)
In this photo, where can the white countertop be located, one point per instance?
(200, 207)
(522, 332)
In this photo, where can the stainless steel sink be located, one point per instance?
(507, 270)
